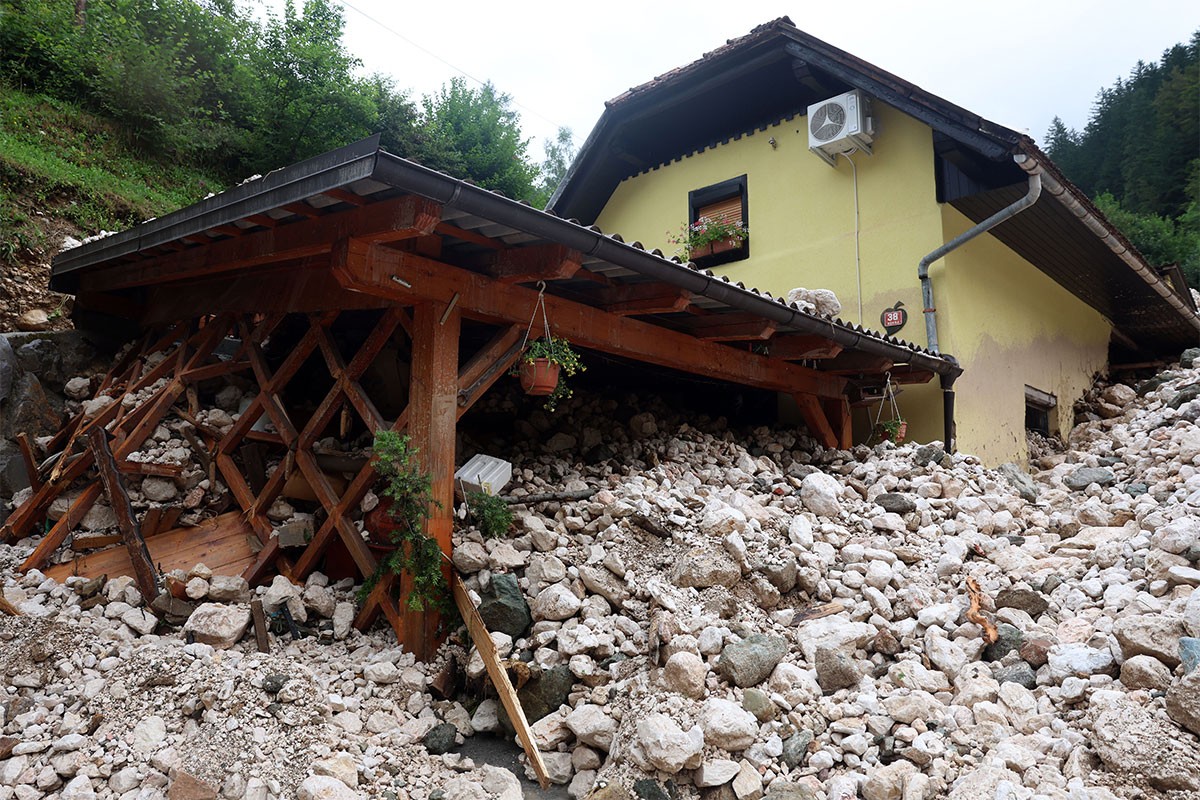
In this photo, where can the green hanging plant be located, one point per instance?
(559, 352)
(409, 492)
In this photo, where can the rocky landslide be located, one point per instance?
(733, 615)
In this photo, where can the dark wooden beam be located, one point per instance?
(644, 298)
(446, 229)
(801, 347)
(857, 363)
(378, 271)
(815, 419)
(539, 262)
(736, 327)
(139, 555)
(389, 220)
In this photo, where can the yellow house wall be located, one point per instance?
(1006, 322)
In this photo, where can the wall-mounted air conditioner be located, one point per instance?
(839, 125)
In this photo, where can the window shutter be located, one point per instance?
(728, 210)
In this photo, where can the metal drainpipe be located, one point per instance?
(1035, 189)
(1062, 195)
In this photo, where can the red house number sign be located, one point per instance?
(893, 319)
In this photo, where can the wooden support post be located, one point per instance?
(837, 411)
(814, 418)
(433, 414)
(31, 466)
(259, 615)
(114, 487)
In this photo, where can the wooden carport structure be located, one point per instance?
(360, 231)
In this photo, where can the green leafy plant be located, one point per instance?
(892, 429)
(409, 491)
(491, 513)
(556, 351)
(706, 231)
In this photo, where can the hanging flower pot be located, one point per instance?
(539, 376)
(893, 429)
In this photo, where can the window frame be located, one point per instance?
(715, 193)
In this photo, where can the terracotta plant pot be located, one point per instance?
(901, 432)
(379, 524)
(539, 377)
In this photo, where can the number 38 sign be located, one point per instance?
(893, 319)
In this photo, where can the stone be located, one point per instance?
(983, 783)
(1020, 673)
(1183, 702)
(727, 725)
(1079, 660)
(218, 625)
(1036, 651)
(1189, 653)
(185, 786)
(666, 746)
(1008, 639)
(912, 706)
(929, 454)
(786, 790)
(1085, 476)
(820, 494)
(1032, 603)
(159, 490)
(896, 503)
(80, 787)
(148, 735)
(1178, 535)
(556, 602)
(440, 738)
(325, 787)
(381, 672)
(503, 606)
(750, 661)
(747, 784)
(795, 748)
(702, 568)
(1188, 358)
(759, 704)
(686, 674)
(1019, 479)
(592, 726)
(1151, 635)
(546, 693)
(887, 783)
(340, 766)
(140, 620)
(1145, 672)
(1130, 740)
(228, 589)
(836, 670)
(649, 789)
(716, 772)
(34, 319)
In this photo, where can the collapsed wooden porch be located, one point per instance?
(404, 254)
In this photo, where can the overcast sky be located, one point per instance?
(1018, 63)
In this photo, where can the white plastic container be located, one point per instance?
(483, 474)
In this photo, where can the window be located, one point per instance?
(725, 201)
(1038, 408)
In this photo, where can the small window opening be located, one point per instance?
(1039, 407)
(725, 201)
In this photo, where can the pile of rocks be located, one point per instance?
(734, 615)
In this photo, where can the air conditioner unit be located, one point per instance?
(839, 125)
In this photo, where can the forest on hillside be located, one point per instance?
(213, 85)
(1138, 157)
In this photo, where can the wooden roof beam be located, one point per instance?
(645, 298)
(540, 262)
(857, 363)
(737, 327)
(408, 278)
(388, 220)
(801, 346)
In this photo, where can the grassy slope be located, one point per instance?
(64, 171)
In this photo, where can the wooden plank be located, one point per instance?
(222, 543)
(432, 408)
(371, 270)
(31, 466)
(114, 487)
(151, 521)
(388, 220)
(539, 262)
(260, 626)
(858, 363)
(151, 468)
(838, 414)
(58, 532)
(446, 229)
(491, 661)
(732, 328)
(815, 419)
(798, 347)
(648, 298)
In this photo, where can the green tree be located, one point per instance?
(474, 133)
(559, 155)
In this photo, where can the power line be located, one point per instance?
(434, 55)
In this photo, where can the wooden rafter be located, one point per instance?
(372, 269)
(540, 262)
(802, 347)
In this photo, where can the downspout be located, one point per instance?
(1035, 189)
(1105, 234)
